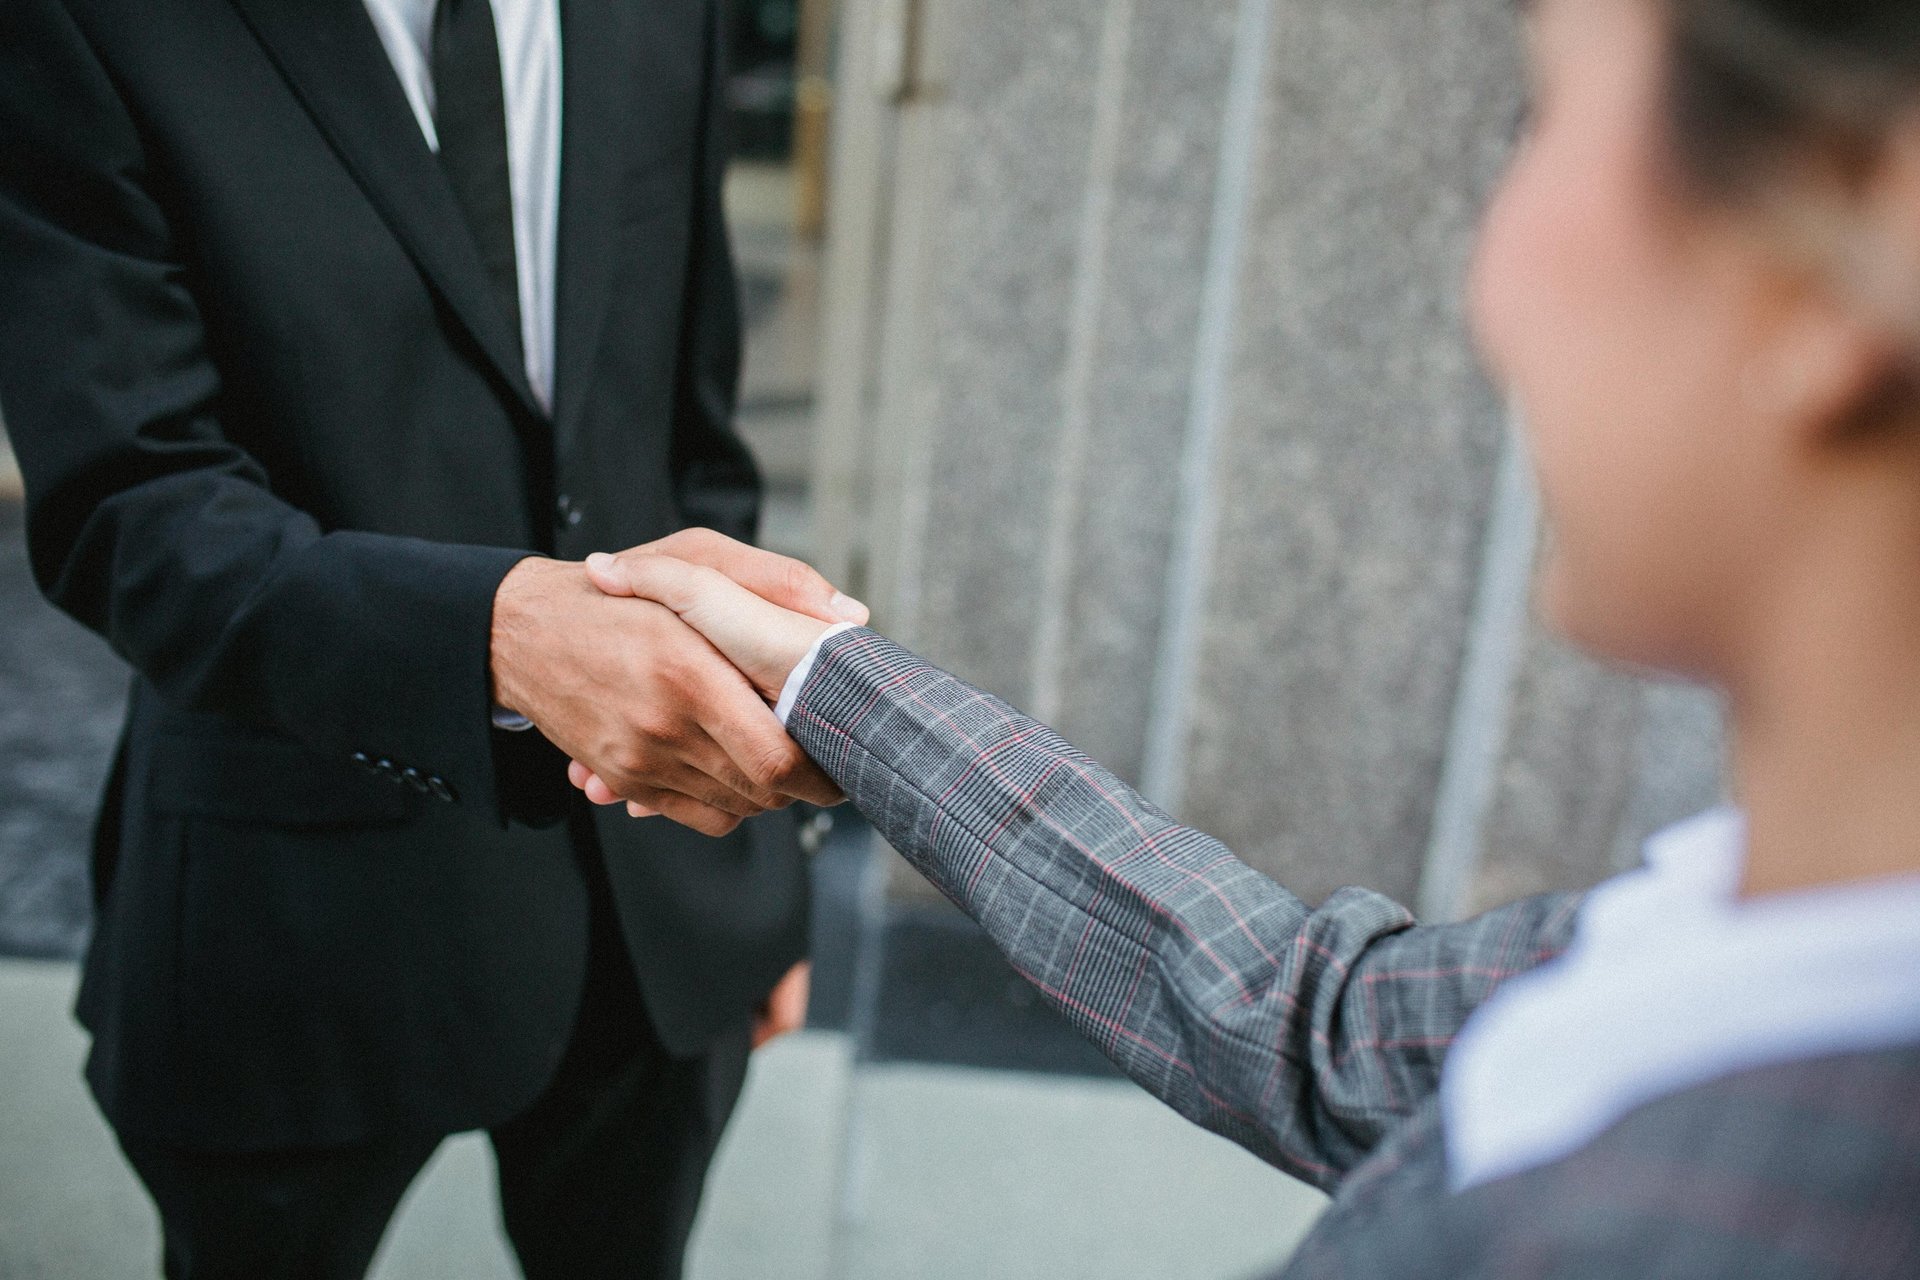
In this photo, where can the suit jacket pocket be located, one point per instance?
(240, 775)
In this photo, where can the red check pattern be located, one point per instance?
(1303, 1035)
(1315, 1038)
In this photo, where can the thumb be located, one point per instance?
(782, 580)
(663, 579)
(762, 639)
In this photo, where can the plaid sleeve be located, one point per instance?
(1302, 1035)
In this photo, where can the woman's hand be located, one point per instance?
(701, 579)
(765, 641)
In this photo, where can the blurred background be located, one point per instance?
(1113, 351)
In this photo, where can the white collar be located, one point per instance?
(1672, 981)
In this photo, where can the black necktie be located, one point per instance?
(470, 115)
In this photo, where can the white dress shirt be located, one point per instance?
(529, 34)
(1673, 981)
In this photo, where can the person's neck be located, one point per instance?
(1826, 720)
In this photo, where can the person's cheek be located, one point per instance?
(1525, 310)
(1508, 273)
(1493, 276)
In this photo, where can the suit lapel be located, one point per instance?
(330, 54)
(596, 40)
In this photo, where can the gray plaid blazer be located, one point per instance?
(1315, 1038)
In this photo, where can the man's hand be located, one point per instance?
(629, 689)
(785, 1008)
(760, 638)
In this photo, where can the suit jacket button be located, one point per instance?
(415, 779)
(440, 789)
(364, 760)
(386, 769)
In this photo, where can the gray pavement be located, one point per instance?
(61, 693)
(833, 1170)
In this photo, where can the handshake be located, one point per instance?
(657, 669)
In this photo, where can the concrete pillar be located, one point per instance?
(1152, 408)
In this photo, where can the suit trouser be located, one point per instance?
(599, 1177)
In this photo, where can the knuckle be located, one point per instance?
(723, 801)
(798, 579)
(717, 823)
(630, 766)
(660, 728)
(748, 806)
(682, 670)
(777, 766)
(761, 797)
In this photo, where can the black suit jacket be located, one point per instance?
(280, 451)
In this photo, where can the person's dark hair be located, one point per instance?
(1755, 83)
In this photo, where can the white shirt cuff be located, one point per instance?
(511, 721)
(797, 679)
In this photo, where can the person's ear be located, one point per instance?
(1825, 374)
(1848, 358)
(1843, 349)
(1882, 267)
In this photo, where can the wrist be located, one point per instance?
(521, 610)
(797, 676)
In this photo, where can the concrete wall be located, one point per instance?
(1151, 407)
